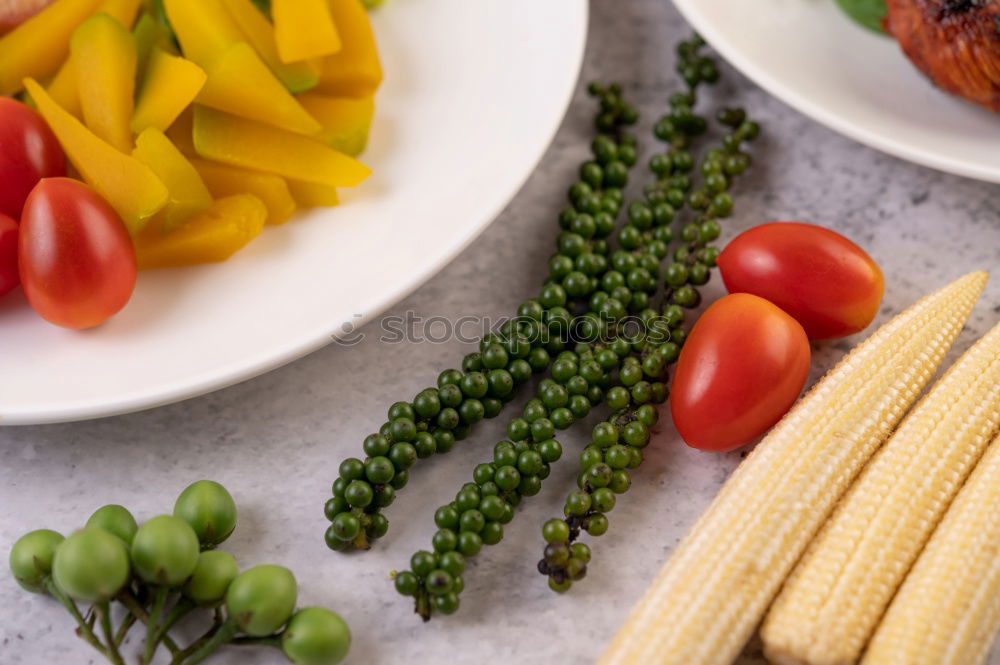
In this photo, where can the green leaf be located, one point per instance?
(868, 13)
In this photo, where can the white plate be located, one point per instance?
(473, 94)
(812, 56)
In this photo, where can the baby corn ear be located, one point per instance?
(835, 596)
(713, 591)
(948, 610)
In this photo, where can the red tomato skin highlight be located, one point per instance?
(741, 368)
(823, 280)
(29, 152)
(77, 263)
(9, 277)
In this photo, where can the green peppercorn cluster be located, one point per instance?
(617, 443)
(438, 417)
(609, 361)
(519, 464)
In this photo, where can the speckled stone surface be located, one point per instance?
(276, 441)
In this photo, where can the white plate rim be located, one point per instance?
(802, 104)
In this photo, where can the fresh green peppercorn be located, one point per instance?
(578, 502)
(469, 543)
(555, 531)
(446, 517)
(597, 525)
(444, 540)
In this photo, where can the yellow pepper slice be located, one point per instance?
(103, 54)
(354, 71)
(203, 28)
(127, 184)
(123, 11)
(225, 180)
(241, 142)
(345, 120)
(212, 235)
(149, 34)
(170, 86)
(188, 193)
(240, 83)
(304, 29)
(36, 48)
(311, 195)
(63, 89)
(258, 31)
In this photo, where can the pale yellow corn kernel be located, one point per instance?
(833, 600)
(714, 589)
(947, 612)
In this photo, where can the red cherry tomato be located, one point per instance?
(28, 152)
(77, 262)
(740, 370)
(15, 12)
(826, 282)
(8, 254)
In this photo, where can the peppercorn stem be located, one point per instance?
(132, 604)
(103, 610)
(180, 609)
(84, 630)
(152, 625)
(218, 636)
(123, 628)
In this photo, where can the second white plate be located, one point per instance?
(810, 55)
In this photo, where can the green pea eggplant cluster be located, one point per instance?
(601, 328)
(115, 573)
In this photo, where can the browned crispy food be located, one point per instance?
(956, 43)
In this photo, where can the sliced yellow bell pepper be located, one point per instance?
(36, 48)
(62, 88)
(188, 193)
(304, 29)
(126, 183)
(213, 235)
(345, 120)
(123, 11)
(149, 34)
(258, 31)
(240, 83)
(203, 28)
(241, 142)
(311, 195)
(103, 54)
(170, 86)
(181, 132)
(354, 71)
(225, 180)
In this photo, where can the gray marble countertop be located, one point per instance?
(276, 441)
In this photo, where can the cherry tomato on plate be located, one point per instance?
(823, 280)
(15, 12)
(8, 254)
(77, 264)
(741, 368)
(29, 152)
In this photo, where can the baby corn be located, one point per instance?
(832, 602)
(712, 592)
(948, 610)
